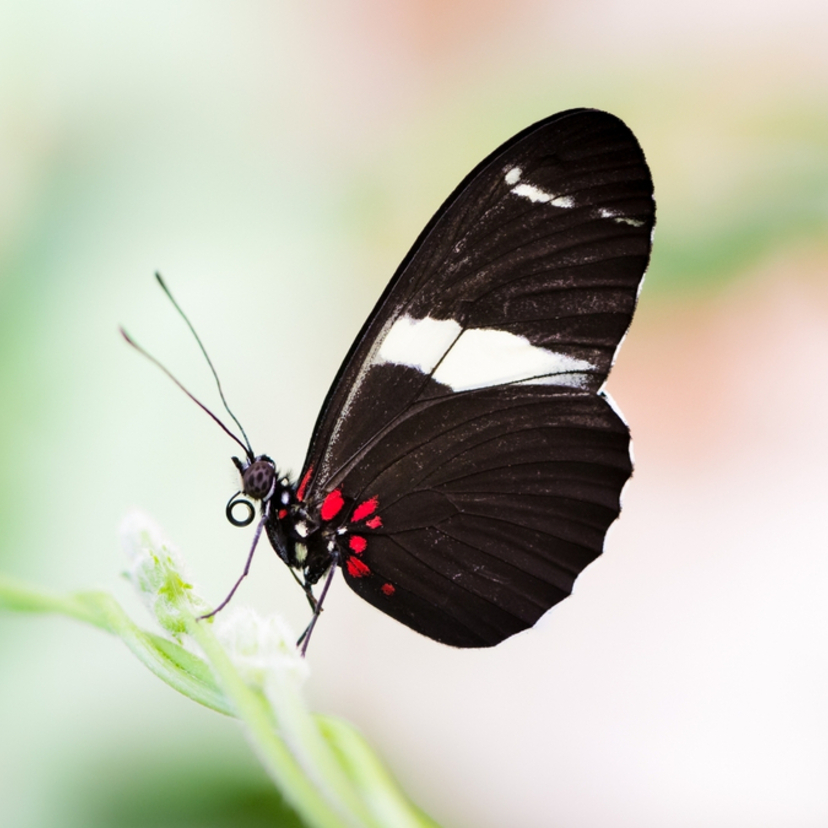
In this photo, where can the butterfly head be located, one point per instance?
(258, 477)
(259, 481)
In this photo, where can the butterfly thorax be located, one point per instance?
(296, 530)
(301, 538)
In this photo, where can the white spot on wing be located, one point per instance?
(484, 357)
(418, 343)
(513, 175)
(613, 405)
(539, 196)
(477, 358)
(604, 213)
(573, 380)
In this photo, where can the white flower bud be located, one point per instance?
(157, 571)
(262, 649)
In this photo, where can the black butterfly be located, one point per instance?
(467, 464)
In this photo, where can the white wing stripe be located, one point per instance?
(476, 358)
(418, 343)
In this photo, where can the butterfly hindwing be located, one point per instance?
(466, 428)
(502, 498)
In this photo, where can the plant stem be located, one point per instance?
(282, 766)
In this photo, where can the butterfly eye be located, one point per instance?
(258, 479)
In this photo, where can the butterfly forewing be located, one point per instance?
(466, 426)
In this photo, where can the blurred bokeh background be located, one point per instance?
(275, 161)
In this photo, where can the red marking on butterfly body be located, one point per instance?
(300, 492)
(364, 509)
(282, 514)
(388, 589)
(357, 544)
(374, 523)
(332, 505)
(356, 568)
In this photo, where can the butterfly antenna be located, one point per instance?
(152, 359)
(183, 315)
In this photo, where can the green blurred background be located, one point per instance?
(275, 161)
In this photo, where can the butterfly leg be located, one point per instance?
(311, 598)
(256, 537)
(307, 589)
(304, 639)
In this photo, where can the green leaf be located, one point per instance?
(242, 665)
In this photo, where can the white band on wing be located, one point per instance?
(478, 357)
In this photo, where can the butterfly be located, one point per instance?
(467, 463)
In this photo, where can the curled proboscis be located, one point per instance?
(235, 501)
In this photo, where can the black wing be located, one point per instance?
(467, 425)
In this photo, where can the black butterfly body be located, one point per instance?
(466, 464)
